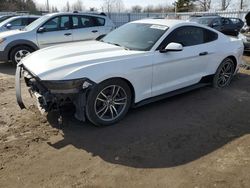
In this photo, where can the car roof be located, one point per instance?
(71, 13)
(165, 22)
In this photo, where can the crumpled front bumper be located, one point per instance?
(18, 86)
(48, 101)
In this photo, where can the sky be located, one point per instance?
(98, 3)
(128, 3)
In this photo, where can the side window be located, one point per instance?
(99, 21)
(17, 22)
(87, 21)
(76, 22)
(64, 23)
(187, 36)
(217, 21)
(52, 25)
(24, 21)
(209, 36)
(31, 20)
(57, 23)
(226, 21)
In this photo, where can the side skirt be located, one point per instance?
(205, 81)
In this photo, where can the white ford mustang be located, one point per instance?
(140, 62)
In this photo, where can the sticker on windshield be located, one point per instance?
(160, 27)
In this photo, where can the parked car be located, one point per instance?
(137, 63)
(17, 22)
(5, 17)
(245, 37)
(52, 29)
(228, 26)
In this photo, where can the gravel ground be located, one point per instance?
(197, 139)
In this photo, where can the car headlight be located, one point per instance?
(2, 40)
(67, 86)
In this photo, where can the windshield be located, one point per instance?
(136, 36)
(2, 18)
(36, 23)
(204, 21)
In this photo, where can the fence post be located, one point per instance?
(129, 17)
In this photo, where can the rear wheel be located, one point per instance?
(224, 73)
(108, 102)
(19, 52)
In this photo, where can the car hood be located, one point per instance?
(10, 33)
(59, 62)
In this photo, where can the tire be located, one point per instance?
(18, 53)
(224, 74)
(108, 102)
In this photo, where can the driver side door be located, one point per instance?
(56, 31)
(178, 69)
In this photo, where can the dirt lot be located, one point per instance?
(198, 139)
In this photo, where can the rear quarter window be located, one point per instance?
(209, 36)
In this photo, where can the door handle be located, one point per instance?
(203, 53)
(68, 34)
(94, 31)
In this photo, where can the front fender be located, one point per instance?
(19, 43)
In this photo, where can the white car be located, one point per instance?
(140, 62)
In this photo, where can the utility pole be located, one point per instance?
(47, 5)
(241, 4)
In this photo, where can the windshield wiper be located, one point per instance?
(118, 45)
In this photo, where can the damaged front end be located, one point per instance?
(53, 94)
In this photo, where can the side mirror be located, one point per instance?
(41, 30)
(172, 47)
(8, 26)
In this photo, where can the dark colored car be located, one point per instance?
(228, 26)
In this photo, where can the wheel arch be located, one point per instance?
(234, 60)
(18, 43)
(128, 83)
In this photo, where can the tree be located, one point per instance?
(136, 9)
(67, 7)
(184, 5)
(78, 5)
(149, 9)
(225, 4)
(113, 6)
(204, 4)
(54, 9)
(119, 6)
(18, 5)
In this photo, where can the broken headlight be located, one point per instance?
(67, 86)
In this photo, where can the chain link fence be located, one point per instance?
(122, 18)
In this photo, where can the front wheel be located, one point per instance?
(224, 73)
(108, 102)
(19, 52)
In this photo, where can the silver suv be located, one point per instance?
(52, 29)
